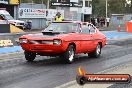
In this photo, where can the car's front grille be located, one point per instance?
(41, 42)
(35, 42)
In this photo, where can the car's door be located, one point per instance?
(75, 36)
(86, 39)
(93, 33)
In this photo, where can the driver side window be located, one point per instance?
(85, 30)
(92, 29)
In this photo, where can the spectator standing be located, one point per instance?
(108, 21)
(58, 17)
(101, 21)
(28, 24)
(98, 21)
(93, 21)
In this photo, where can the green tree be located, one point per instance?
(114, 7)
(117, 6)
(98, 7)
(129, 7)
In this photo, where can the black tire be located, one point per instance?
(96, 53)
(81, 80)
(69, 54)
(29, 56)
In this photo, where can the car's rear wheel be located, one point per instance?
(96, 53)
(69, 54)
(29, 56)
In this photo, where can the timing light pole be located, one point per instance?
(48, 1)
(106, 7)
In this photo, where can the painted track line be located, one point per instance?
(116, 69)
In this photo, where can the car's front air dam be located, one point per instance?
(49, 49)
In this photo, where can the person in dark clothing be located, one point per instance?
(108, 21)
(93, 21)
(98, 21)
(101, 21)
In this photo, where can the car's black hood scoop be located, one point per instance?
(52, 33)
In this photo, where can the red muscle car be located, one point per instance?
(64, 39)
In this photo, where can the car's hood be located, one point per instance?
(45, 36)
(17, 21)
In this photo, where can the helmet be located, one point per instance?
(58, 13)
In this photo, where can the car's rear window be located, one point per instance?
(63, 27)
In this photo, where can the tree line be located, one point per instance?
(114, 7)
(34, 1)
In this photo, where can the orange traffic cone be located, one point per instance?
(119, 28)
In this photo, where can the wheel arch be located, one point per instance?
(72, 43)
(100, 43)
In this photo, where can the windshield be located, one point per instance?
(63, 27)
(8, 17)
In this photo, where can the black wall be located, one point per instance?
(4, 28)
(9, 8)
(86, 18)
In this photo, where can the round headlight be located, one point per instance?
(57, 42)
(23, 41)
(34, 42)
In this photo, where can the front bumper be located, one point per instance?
(50, 49)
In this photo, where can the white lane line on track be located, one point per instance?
(8, 55)
(73, 84)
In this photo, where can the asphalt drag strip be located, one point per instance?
(49, 72)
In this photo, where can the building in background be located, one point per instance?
(37, 13)
(120, 19)
(70, 9)
(74, 9)
(86, 9)
(33, 12)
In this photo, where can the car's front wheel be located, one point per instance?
(29, 56)
(96, 53)
(69, 54)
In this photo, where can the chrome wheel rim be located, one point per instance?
(71, 55)
(98, 50)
